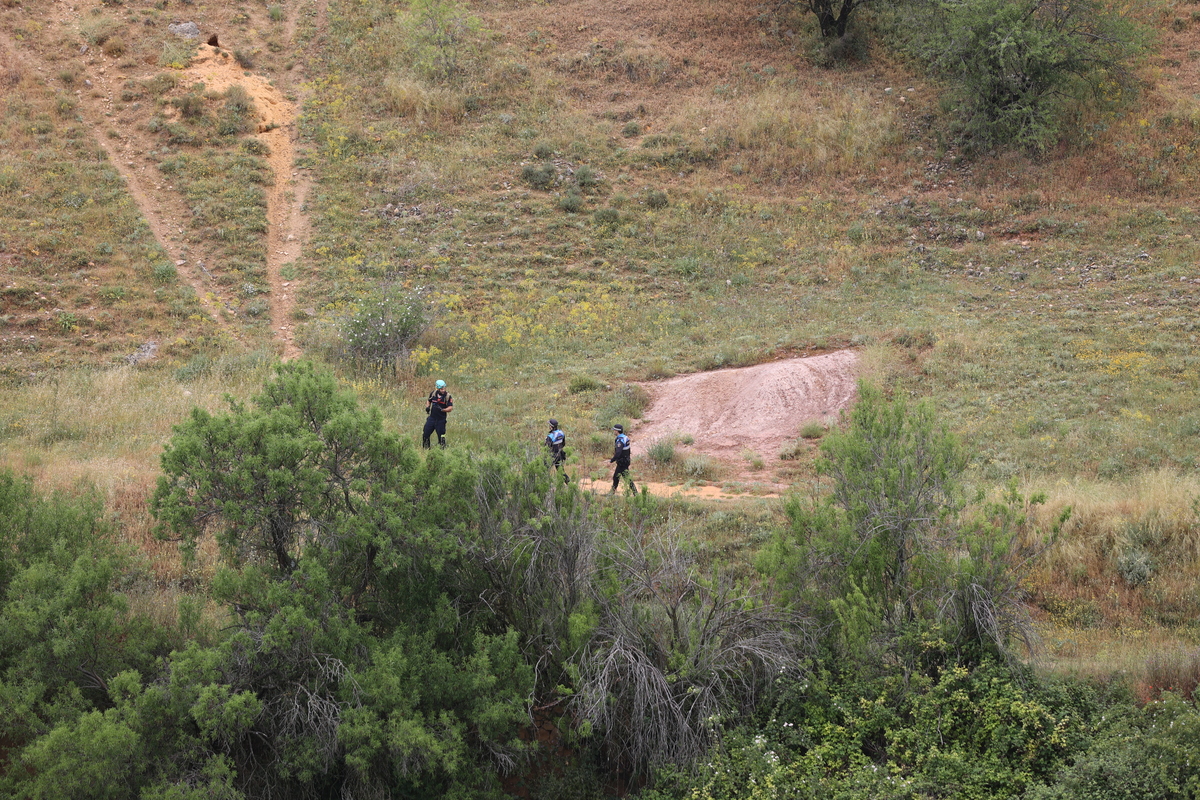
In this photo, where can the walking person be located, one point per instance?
(440, 404)
(621, 457)
(556, 443)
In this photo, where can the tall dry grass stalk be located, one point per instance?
(799, 131)
(1154, 510)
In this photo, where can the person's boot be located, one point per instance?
(442, 442)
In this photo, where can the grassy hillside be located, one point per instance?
(616, 193)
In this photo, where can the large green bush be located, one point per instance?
(1022, 69)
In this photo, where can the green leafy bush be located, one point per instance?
(1020, 70)
(539, 176)
(382, 329)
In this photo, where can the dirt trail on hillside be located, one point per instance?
(165, 210)
(287, 226)
(740, 416)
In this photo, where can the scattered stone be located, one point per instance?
(185, 30)
(144, 353)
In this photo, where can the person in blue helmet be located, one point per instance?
(621, 457)
(440, 404)
(556, 443)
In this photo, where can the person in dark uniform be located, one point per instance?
(621, 457)
(440, 404)
(556, 443)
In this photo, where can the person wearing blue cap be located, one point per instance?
(440, 404)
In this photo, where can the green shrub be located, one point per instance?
(628, 402)
(586, 177)
(661, 451)
(1021, 72)
(656, 199)
(608, 218)
(631, 129)
(539, 176)
(382, 329)
(699, 467)
(164, 272)
(583, 383)
(543, 151)
(813, 430)
(571, 201)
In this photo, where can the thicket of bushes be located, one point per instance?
(397, 624)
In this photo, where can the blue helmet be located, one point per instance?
(440, 384)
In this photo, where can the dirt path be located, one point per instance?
(165, 210)
(287, 226)
(747, 416)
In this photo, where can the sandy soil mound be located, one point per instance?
(758, 409)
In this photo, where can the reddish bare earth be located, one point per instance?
(740, 416)
(760, 409)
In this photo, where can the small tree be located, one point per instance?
(304, 466)
(833, 16)
(889, 546)
(1021, 66)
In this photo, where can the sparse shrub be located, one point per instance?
(256, 147)
(382, 329)
(606, 218)
(161, 83)
(67, 322)
(631, 129)
(661, 451)
(658, 370)
(442, 38)
(539, 176)
(586, 177)
(571, 201)
(543, 151)
(164, 272)
(65, 105)
(583, 383)
(1135, 567)
(245, 60)
(275, 13)
(792, 450)
(629, 401)
(114, 47)
(176, 54)
(688, 267)
(813, 430)
(190, 106)
(699, 467)
(656, 199)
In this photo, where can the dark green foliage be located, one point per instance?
(887, 555)
(833, 16)
(539, 176)
(975, 733)
(65, 635)
(1148, 753)
(1021, 69)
